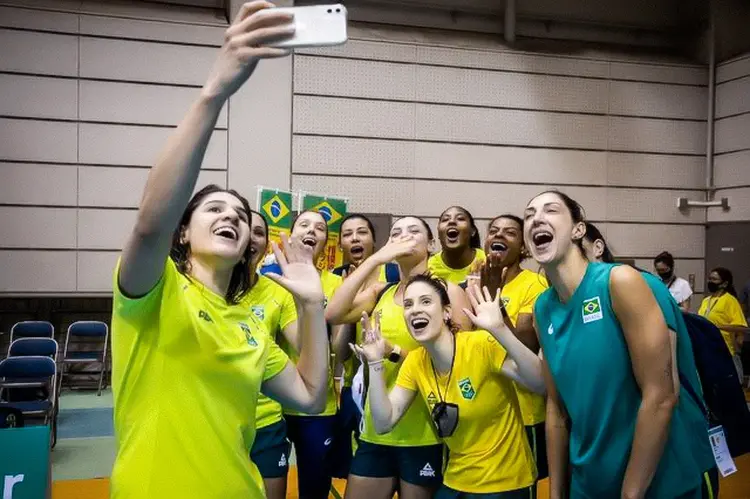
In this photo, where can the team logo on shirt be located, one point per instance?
(467, 390)
(259, 311)
(248, 335)
(592, 310)
(506, 301)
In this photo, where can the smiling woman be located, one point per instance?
(189, 358)
(461, 246)
(612, 350)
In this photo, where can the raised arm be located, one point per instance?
(521, 364)
(387, 408)
(350, 300)
(648, 341)
(302, 387)
(172, 179)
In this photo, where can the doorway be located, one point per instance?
(728, 245)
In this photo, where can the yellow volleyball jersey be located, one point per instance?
(724, 310)
(186, 375)
(519, 296)
(331, 283)
(489, 451)
(415, 428)
(274, 307)
(438, 268)
(352, 363)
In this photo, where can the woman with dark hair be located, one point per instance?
(189, 359)
(466, 380)
(723, 309)
(612, 346)
(679, 287)
(409, 457)
(357, 242)
(461, 246)
(519, 289)
(274, 306)
(313, 433)
(596, 248)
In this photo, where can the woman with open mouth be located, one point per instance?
(274, 306)
(466, 380)
(409, 457)
(313, 434)
(189, 359)
(461, 246)
(519, 289)
(357, 242)
(617, 357)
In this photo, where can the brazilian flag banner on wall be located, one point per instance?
(276, 207)
(333, 210)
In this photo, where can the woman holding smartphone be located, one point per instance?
(189, 360)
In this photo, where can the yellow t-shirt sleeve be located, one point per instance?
(275, 362)
(408, 373)
(142, 309)
(536, 288)
(494, 353)
(288, 310)
(734, 311)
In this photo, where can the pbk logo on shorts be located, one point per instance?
(259, 311)
(427, 470)
(592, 310)
(467, 390)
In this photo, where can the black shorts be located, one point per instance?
(421, 465)
(271, 449)
(538, 442)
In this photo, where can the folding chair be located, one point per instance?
(28, 384)
(32, 329)
(25, 347)
(82, 333)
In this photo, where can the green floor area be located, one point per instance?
(85, 445)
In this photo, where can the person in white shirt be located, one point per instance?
(679, 287)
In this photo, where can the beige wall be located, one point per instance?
(89, 93)
(401, 121)
(732, 133)
(418, 123)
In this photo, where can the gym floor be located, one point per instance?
(85, 452)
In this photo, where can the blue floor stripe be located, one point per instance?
(85, 423)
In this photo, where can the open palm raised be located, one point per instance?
(299, 275)
(373, 346)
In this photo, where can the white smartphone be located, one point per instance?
(316, 26)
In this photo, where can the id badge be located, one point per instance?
(723, 459)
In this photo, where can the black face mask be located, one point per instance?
(665, 276)
(445, 417)
(712, 287)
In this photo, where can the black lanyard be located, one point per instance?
(450, 372)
